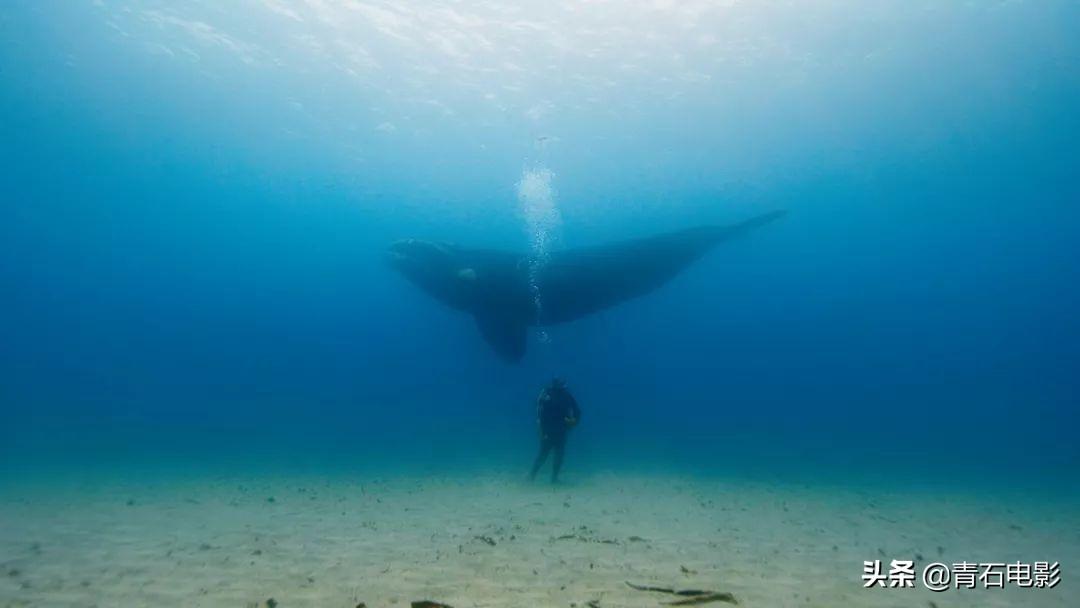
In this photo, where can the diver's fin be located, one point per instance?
(505, 335)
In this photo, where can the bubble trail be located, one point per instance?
(536, 197)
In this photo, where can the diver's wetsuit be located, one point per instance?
(556, 413)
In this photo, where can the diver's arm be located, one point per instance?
(575, 411)
(542, 398)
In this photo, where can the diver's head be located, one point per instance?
(557, 383)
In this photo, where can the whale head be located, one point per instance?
(435, 267)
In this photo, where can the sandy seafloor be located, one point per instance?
(493, 540)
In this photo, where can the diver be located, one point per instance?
(556, 413)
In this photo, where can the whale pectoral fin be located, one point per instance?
(505, 335)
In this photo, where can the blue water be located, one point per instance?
(196, 200)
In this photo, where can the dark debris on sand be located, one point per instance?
(585, 535)
(691, 597)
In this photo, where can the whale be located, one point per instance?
(507, 292)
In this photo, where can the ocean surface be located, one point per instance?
(196, 201)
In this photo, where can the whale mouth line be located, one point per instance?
(396, 260)
(397, 253)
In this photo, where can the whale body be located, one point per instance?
(497, 287)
